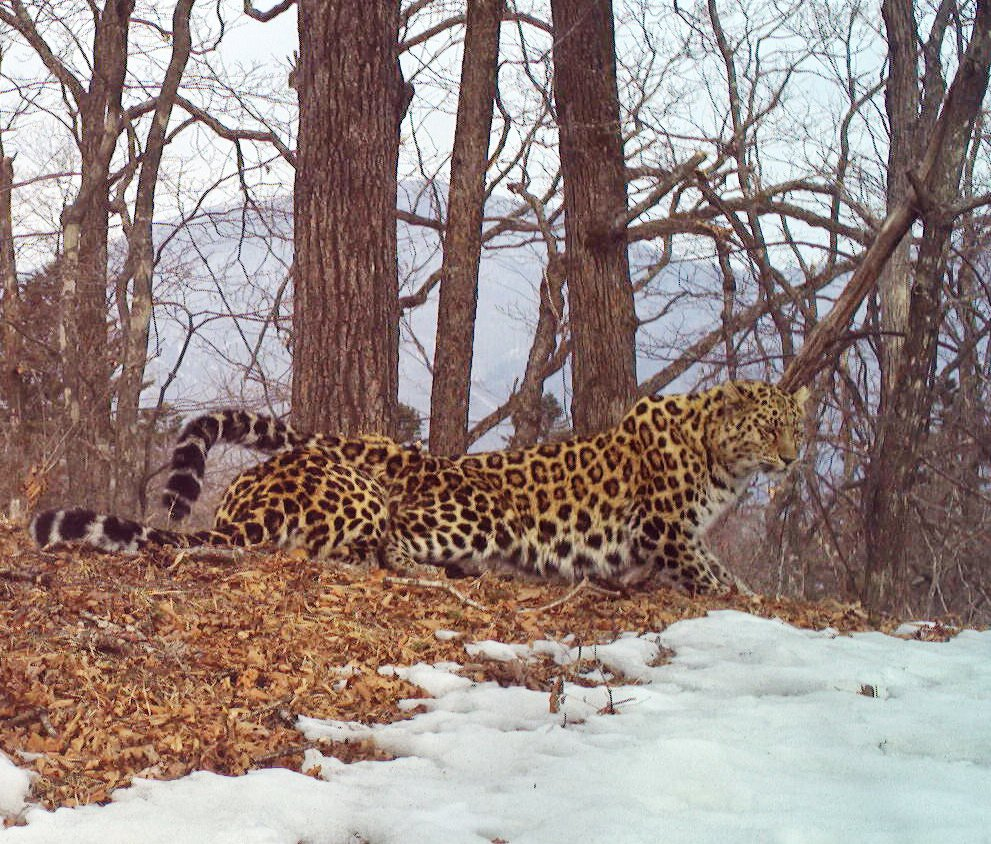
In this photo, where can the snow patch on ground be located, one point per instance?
(14, 786)
(752, 731)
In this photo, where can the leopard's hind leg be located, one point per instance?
(306, 500)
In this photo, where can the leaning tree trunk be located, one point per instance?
(346, 299)
(463, 234)
(956, 117)
(600, 296)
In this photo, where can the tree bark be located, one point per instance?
(527, 407)
(463, 235)
(83, 336)
(901, 430)
(600, 296)
(346, 300)
(11, 383)
(901, 100)
(135, 315)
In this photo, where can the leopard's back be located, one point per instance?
(634, 499)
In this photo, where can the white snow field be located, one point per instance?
(754, 731)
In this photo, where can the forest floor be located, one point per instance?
(156, 665)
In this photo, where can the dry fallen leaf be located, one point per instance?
(161, 664)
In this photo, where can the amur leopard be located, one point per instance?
(620, 505)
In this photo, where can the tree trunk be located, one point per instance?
(135, 317)
(83, 336)
(527, 411)
(463, 235)
(15, 440)
(11, 383)
(901, 100)
(346, 301)
(892, 473)
(600, 296)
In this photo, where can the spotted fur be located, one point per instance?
(630, 501)
(260, 433)
(298, 499)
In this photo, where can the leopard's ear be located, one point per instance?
(801, 395)
(733, 392)
(734, 398)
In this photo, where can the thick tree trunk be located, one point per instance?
(83, 336)
(901, 99)
(892, 473)
(346, 301)
(600, 296)
(463, 234)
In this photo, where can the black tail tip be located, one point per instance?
(40, 528)
(50, 526)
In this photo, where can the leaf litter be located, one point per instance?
(164, 663)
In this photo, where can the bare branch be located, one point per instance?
(21, 22)
(271, 14)
(235, 135)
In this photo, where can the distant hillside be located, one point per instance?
(235, 262)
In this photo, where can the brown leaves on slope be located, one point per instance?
(113, 667)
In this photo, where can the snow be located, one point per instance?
(752, 731)
(14, 785)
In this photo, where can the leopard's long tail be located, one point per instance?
(239, 427)
(112, 533)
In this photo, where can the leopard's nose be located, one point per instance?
(787, 449)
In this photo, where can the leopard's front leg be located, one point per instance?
(711, 574)
(682, 555)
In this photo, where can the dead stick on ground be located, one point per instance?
(282, 752)
(35, 713)
(436, 584)
(583, 584)
(27, 575)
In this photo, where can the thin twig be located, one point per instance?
(282, 752)
(585, 583)
(26, 575)
(37, 714)
(436, 584)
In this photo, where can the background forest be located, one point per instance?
(327, 207)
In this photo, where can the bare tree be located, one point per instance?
(463, 232)
(905, 422)
(11, 390)
(83, 267)
(135, 311)
(111, 80)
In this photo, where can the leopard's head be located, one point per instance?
(757, 428)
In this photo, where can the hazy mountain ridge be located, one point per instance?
(235, 261)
